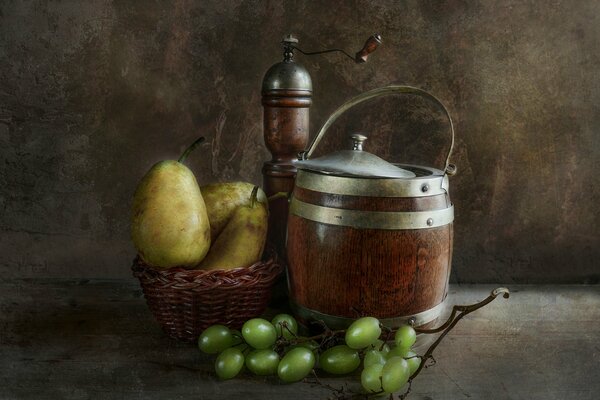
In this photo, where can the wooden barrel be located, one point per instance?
(377, 247)
(366, 237)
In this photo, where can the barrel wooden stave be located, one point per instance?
(344, 271)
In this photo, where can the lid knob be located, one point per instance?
(289, 38)
(357, 141)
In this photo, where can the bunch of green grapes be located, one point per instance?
(386, 369)
(255, 346)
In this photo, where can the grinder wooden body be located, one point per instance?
(286, 98)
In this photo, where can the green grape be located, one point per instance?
(413, 361)
(296, 364)
(259, 333)
(363, 332)
(311, 345)
(373, 357)
(395, 374)
(339, 360)
(370, 378)
(381, 346)
(398, 352)
(405, 336)
(262, 362)
(292, 326)
(229, 363)
(215, 339)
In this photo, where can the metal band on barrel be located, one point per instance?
(337, 322)
(431, 185)
(390, 220)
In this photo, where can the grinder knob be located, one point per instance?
(370, 46)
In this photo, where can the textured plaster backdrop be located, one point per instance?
(92, 93)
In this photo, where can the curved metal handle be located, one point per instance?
(449, 169)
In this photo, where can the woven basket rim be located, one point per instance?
(265, 270)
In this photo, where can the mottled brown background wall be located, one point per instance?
(94, 92)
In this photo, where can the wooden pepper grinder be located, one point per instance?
(286, 99)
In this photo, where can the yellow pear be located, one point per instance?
(242, 241)
(222, 199)
(169, 224)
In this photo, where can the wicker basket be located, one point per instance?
(185, 302)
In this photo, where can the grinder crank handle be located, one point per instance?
(370, 46)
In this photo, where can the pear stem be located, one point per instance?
(279, 195)
(253, 196)
(191, 148)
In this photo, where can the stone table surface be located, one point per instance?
(97, 340)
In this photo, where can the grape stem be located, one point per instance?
(458, 312)
(339, 392)
(322, 337)
(285, 325)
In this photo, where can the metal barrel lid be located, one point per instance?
(354, 163)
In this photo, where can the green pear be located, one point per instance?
(242, 241)
(222, 199)
(169, 224)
